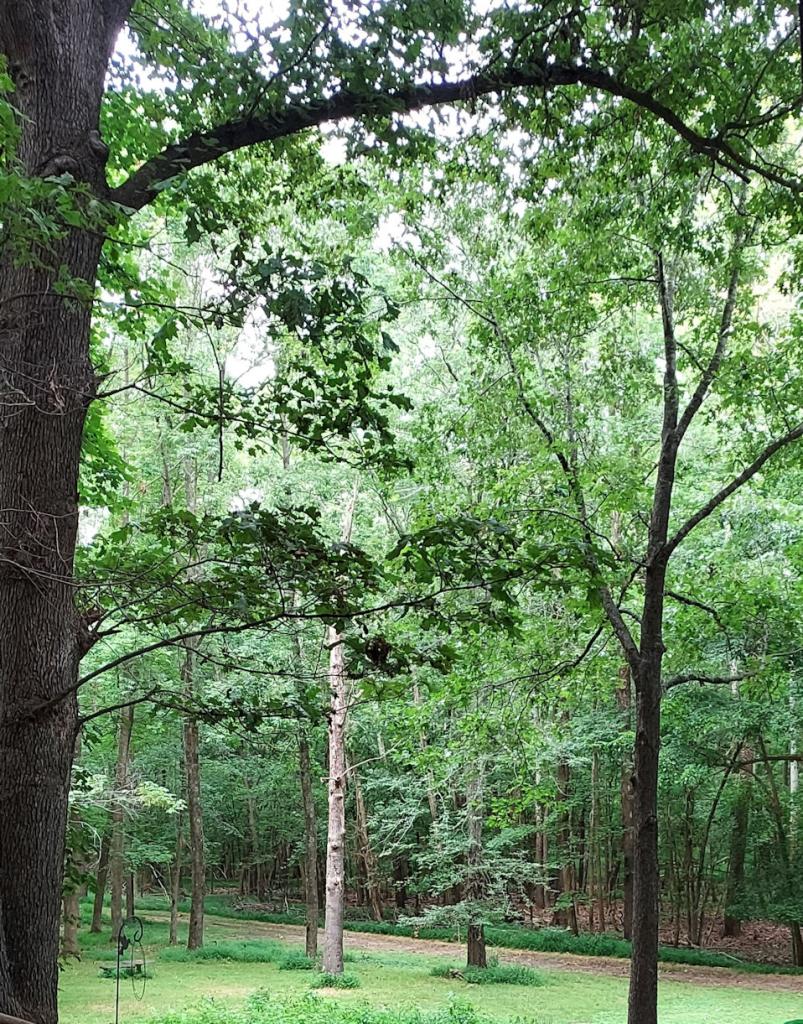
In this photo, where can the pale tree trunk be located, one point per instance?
(311, 901)
(475, 884)
(100, 884)
(192, 755)
(310, 845)
(366, 850)
(117, 867)
(336, 832)
(336, 787)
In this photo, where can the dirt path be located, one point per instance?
(611, 966)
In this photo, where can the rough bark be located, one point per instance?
(310, 845)
(46, 383)
(100, 884)
(117, 872)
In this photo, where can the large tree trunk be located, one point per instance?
(100, 884)
(57, 57)
(336, 833)
(117, 871)
(310, 845)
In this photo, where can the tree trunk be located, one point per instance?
(175, 881)
(732, 926)
(71, 920)
(58, 60)
(130, 900)
(475, 888)
(100, 885)
(643, 993)
(192, 763)
(117, 872)
(624, 700)
(336, 833)
(192, 756)
(310, 845)
(367, 854)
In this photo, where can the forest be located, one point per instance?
(401, 532)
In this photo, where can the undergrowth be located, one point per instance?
(493, 974)
(344, 980)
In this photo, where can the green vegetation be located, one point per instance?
(344, 980)
(296, 960)
(493, 974)
(255, 951)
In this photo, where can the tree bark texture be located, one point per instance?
(310, 845)
(336, 832)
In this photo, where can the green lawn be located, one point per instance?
(399, 981)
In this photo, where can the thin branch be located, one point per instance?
(118, 707)
(747, 474)
(720, 349)
(706, 680)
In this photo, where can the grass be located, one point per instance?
(395, 988)
(536, 940)
(344, 980)
(493, 974)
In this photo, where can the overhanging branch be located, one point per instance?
(203, 147)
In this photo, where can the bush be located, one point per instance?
(493, 974)
(253, 951)
(344, 980)
(296, 960)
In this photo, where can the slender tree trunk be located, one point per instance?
(367, 854)
(624, 700)
(100, 884)
(475, 888)
(732, 926)
(643, 993)
(192, 754)
(117, 868)
(596, 885)
(130, 895)
(192, 763)
(336, 788)
(71, 920)
(310, 845)
(336, 833)
(175, 881)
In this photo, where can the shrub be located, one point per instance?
(296, 960)
(344, 980)
(253, 951)
(493, 974)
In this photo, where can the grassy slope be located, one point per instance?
(401, 980)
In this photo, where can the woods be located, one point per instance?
(400, 475)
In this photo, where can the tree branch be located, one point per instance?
(748, 473)
(718, 355)
(698, 677)
(202, 147)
